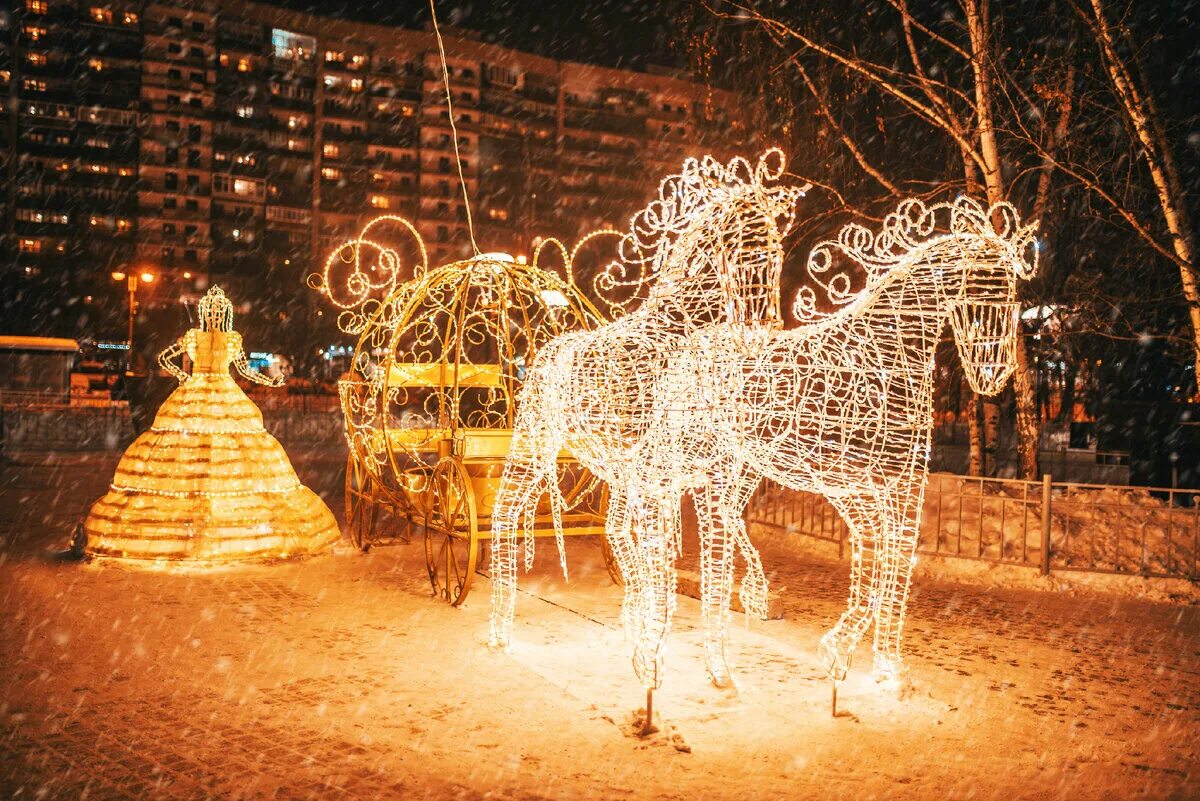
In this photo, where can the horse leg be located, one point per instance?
(863, 519)
(753, 589)
(656, 598)
(520, 485)
(716, 582)
(895, 576)
(618, 529)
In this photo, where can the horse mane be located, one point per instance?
(687, 202)
(907, 237)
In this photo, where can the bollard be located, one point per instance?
(1045, 524)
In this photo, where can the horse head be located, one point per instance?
(992, 251)
(713, 240)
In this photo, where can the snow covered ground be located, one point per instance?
(340, 677)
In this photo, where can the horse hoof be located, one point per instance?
(892, 676)
(720, 677)
(835, 662)
(754, 600)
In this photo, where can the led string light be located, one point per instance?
(706, 252)
(700, 390)
(207, 483)
(441, 354)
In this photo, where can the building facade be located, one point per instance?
(217, 140)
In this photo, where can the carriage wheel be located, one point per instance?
(451, 531)
(362, 507)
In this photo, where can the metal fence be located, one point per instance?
(79, 428)
(1048, 525)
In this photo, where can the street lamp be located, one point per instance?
(132, 279)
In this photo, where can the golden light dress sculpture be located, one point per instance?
(428, 402)
(206, 483)
(701, 390)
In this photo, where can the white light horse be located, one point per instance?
(713, 242)
(842, 406)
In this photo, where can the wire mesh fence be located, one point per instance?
(1142, 531)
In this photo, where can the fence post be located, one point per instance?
(1045, 524)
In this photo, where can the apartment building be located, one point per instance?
(217, 140)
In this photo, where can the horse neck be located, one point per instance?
(680, 283)
(912, 300)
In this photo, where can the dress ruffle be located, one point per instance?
(207, 483)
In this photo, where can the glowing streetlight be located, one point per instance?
(131, 279)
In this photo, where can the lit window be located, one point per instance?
(34, 33)
(35, 7)
(63, 166)
(31, 245)
(498, 214)
(224, 60)
(123, 224)
(95, 64)
(292, 46)
(294, 144)
(330, 150)
(407, 111)
(93, 221)
(102, 15)
(357, 60)
(377, 177)
(243, 187)
(36, 59)
(380, 201)
(34, 85)
(293, 122)
(356, 84)
(330, 174)
(125, 171)
(236, 233)
(130, 18)
(243, 65)
(331, 81)
(334, 57)
(245, 112)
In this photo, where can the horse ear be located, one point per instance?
(1027, 242)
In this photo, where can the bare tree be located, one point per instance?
(1119, 56)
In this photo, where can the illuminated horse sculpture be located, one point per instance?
(842, 406)
(712, 242)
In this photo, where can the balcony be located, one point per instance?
(336, 108)
(336, 134)
(403, 135)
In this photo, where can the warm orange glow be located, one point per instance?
(207, 483)
(117, 275)
(148, 278)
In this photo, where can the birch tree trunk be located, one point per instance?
(1028, 430)
(1156, 151)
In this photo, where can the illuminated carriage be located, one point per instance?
(429, 400)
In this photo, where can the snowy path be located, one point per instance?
(341, 678)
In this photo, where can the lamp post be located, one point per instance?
(132, 279)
